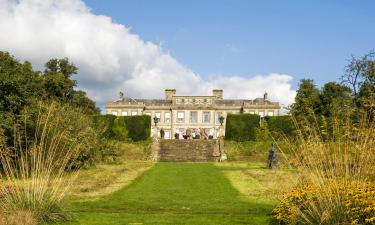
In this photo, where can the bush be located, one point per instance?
(121, 128)
(335, 165)
(241, 127)
(139, 127)
(339, 202)
(280, 125)
(36, 172)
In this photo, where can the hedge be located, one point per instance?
(136, 128)
(280, 125)
(241, 127)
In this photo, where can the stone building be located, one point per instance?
(202, 115)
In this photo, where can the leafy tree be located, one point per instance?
(57, 79)
(307, 101)
(360, 77)
(60, 86)
(336, 100)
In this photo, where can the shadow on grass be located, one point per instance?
(175, 193)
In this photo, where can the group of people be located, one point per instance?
(195, 133)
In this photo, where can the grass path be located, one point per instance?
(177, 193)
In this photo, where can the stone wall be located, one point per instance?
(187, 150)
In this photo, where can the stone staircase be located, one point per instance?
(187, 150)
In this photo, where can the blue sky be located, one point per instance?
(305, 39)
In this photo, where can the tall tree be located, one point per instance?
(57, 79)
(307, 101)
(336, 100)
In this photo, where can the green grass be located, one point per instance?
(182, 193)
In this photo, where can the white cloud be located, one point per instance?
(111, 58)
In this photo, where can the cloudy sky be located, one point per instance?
(143, 47)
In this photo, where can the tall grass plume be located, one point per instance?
(37, 173)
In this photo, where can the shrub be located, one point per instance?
(241, 127)
(36, 170)
(335, 165)
(121, 128)
(280, 125)
(139, 127)
(353, 203)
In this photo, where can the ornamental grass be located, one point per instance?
(335, 163)
(37, 173)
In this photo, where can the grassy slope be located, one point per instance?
(185, 193)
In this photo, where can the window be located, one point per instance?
(193, 117)
(124, 113)
(180, 117)
(261, 114)
(114, 113)
(167, 117)
(157, 115)
(206, 117)
(148, 114)
(270, 113)
(134, 113)
(252, 112)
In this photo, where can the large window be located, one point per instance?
(134, 113)
(270, 113)
(180, 117)
(261, 114)
(193, 117)
(167, 117)
(157, 115)
(114, 113)
(206, 117)
(124, 113)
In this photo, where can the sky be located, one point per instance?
(141, 47)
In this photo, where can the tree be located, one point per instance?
(307, 101)
(358, 72)
(336, 100)
(60, 86)
(57, 79)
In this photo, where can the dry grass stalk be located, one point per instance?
(36, 171)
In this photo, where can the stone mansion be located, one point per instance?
(177, 114)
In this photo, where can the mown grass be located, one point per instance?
(187, 193)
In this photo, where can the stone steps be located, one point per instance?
(187, 150)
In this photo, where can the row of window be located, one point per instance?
(206, 116)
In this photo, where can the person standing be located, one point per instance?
(162, 133)
(271, 157)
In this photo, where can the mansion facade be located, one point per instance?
(179, 114)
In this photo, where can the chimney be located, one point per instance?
(218, 93)
(169, 93)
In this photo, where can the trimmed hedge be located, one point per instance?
(136, 128)
(139, 127)
(280, 125)
(241, 127)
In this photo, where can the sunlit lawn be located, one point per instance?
(188, 193)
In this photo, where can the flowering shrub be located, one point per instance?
(337, 202)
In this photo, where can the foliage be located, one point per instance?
(335, 165)
(138, 127)
(121, 128)
(307, 100)
(241, 127)
(354, 204)
(22, 88)
(37, 171)
(280, 126)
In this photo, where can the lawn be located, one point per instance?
(187, 193)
